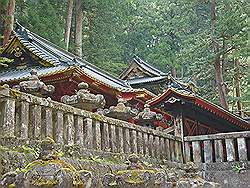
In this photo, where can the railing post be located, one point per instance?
(69, 124)
(172, 150)
(36, 121)
(167, 152)
(47, 123)
(8, 118)
(157, 147)
(151, 145)
(88, 138)
(218, 150)
(79, 130)
(127, 148)
(120, 140)
(208, 155)
(105, 136)
(97, 135)
(181, 157)
(196, 151)
(59, 127)
(242, 149)
(24, 119)
(162, 147)
(230, 150)
(113, 138)
(140, 142)
(145, 144)
(177, 151)
(133, 141)
(187, 152)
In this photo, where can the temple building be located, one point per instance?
(143, 94)
(61, 69)
(140, 74)
(198, 116)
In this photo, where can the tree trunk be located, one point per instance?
(237, 88)
(9, 21)
(173, 72)
(217, 63)
(68, 23)
(3, 8)
(78, 34)
(182, 72)
(220, 84)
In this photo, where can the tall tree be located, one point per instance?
(217, 62)
(68, 23)
(78, 32)
(170, 34)
(44, 17)
(9, 21)
(3, 8)
(237, 87)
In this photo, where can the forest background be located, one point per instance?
(201, 41)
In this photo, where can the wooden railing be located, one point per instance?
(29, 117)
(221, 147)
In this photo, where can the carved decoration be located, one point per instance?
(136, 73)
(18, 51)
(84, 99)
(147, 116)
(121, 111)
(172, 100)
(48, 171)
(35, 86)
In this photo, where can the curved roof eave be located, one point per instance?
(57, 56)
(202, 103)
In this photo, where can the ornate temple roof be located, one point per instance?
(140, 74)
(54, 59)
(145, 80)
(196, 103)
(141, 66)
(14, 75)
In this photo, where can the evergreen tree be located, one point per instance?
(174, 35)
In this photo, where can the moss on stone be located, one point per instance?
(41, 182)
(61, 163)
(134, 176)
(12, 185)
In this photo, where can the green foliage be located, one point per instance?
(238, 168)
(167, 33)
(5, 61)
(28, 150)
(43, 17)
(96, 159)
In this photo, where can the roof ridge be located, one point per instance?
(137, 58)
(193, 95)
(80, 61)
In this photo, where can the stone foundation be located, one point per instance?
(228, 174)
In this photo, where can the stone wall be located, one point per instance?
(228, 174)
(16, 159)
